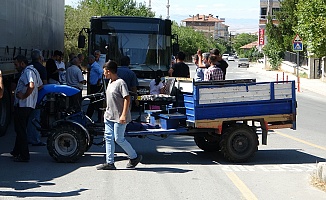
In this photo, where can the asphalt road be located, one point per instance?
(175, 168)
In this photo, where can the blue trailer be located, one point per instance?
(224, 116)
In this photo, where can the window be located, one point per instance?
(263, 11)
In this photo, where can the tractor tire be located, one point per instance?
(5, 110)
(239, 143)
(207, 142)
(67, 143)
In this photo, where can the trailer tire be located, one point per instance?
(207, 142)
(5, 110)
(239, 143)
(67, 143)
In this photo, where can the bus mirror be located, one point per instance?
(175, 48)
(81, 41)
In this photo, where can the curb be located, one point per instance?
(321, 171)
(313, 85)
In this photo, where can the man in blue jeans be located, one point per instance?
(116, 117)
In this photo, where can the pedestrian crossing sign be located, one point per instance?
(297, 46)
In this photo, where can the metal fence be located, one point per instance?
(292, 57)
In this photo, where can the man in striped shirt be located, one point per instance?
(213, 73)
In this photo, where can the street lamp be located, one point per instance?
(231, 41)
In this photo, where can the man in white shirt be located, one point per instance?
(61, 68)
(25, 101)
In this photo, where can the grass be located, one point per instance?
(316, 182)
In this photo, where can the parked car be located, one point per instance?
(243, 62)
(225, 56)
(231, 58)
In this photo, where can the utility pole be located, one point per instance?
(168, 10)
(269, 14)
(150, 5)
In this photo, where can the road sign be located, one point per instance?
(296, 39)
(297, 46)
(297, 43)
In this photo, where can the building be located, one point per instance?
(208, 24)
(268, 7)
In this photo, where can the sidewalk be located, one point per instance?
(313, 85)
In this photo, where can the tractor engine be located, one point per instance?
(57, 106)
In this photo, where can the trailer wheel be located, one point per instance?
(5, 116)
(208, 142)
(67, 143)
(239, 143)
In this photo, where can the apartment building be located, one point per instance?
(208, 24)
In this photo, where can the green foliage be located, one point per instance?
(274, 48)
(243, 39)
(78, 18)
(312, 25)
(274, 55)
(117, 8)
(190, 40)
(306, 18)
(287, 20)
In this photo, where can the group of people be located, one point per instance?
(210, 66)
(117, 114)
(121, 80)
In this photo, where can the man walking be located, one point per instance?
(117, 116)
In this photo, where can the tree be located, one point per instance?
(312, 25)
(241, 40)
(287, 20)
(117, 8)
(190, 40)
(274, 48)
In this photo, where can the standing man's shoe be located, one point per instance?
(133, 162)
(106, 166)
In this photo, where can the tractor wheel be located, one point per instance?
(239, 143)
(67, 143)
(5, 116)
(208, 143)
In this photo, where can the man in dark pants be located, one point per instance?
(33, 135)
(95, 81)
(25, 101)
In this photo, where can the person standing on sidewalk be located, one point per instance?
(25, 100)
(116, 118)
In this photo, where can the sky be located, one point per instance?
(242, 16)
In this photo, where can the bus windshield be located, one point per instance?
(146, 51)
